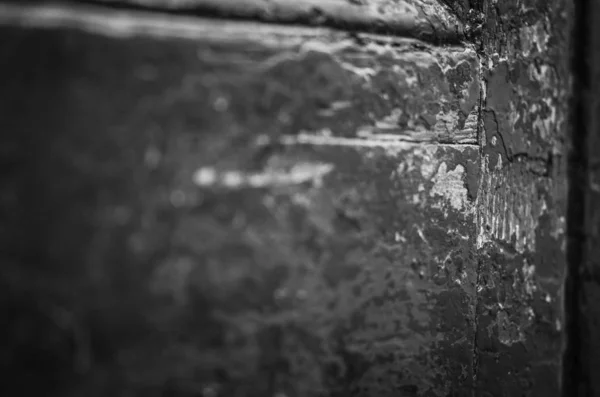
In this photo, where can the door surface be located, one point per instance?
(284, 198)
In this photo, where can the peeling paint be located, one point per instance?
(349, 261)
(450, 184)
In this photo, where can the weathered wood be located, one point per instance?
(427, 20)
(385, 89)
(305, 195)
(210, 210)
(521, 219)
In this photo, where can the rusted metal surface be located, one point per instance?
(240, 213)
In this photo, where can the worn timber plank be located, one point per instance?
(404, 89)
(235, 210)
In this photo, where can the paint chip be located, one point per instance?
(451, 186)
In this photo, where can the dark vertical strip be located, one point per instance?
(575, 370)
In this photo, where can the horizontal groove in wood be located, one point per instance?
(324, 84)
(426, 20)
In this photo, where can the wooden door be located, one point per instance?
(284, 198)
